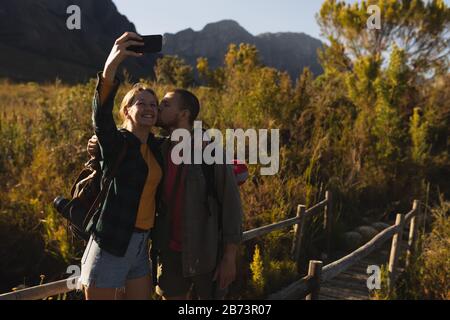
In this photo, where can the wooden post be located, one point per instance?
(395, 247)
(423, 215)
(298, 229)
(412, 232)
(315, 271)
(328, 217)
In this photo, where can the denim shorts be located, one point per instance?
(104, 270)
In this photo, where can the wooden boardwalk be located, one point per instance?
(352, 283)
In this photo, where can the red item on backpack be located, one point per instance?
(240, 171)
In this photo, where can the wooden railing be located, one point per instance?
(307, 287)
(298, 222)
(41, 291)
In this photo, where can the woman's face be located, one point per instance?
(144, 110)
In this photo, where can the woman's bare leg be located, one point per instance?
(185, 297)
(139, 289)
(93, 293)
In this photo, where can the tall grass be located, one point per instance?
(324, 145)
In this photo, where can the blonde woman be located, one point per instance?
(115, 264)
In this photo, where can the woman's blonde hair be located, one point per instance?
(129, 99)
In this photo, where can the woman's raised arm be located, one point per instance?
(107, 85)
(119, 52)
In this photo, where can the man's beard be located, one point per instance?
(159, 123)
(173, 124)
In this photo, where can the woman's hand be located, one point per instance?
(119, 52)
(92, 147)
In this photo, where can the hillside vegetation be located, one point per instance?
(373, 129)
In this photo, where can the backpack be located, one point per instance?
(88, 193)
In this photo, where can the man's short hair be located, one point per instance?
(188, 101)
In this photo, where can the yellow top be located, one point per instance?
(146, 213)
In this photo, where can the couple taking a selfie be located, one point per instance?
(191, 214)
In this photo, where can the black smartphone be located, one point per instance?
(152, 44)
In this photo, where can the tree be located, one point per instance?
(174, 71)
(391, 87)
(184, 76)
(213, 78)
(420, 28)
(418, 130)
(245, 57)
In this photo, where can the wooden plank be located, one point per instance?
(296, 290)
(357, 287)
(412, 234)
(356, 276)
(327, 297)
(352, 279)
(315, 272)
(380, 260)
(254, 233)
(40, 292)
(328, 221)
(299, 229)
(395, 248)
(343, 294)
(280, 225)
(317, 207)
(339, 287)
(358, 269)
(334, 268)
(412, 213)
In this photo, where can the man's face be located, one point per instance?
(169, 111)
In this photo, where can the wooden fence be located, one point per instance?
(307, 287)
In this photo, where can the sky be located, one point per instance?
(256, 16)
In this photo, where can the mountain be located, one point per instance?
(286, 51)
(36, 45)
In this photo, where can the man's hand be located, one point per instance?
(92, 147)
(226, 270)
(119, 52)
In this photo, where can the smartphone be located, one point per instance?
(152, 44)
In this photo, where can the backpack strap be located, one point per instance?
(209, 174)
(106, 182)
